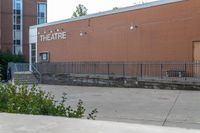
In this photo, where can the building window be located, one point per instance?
(41, 13)
(17, 42)
(17, 26)
(33, 53)
(44, 56)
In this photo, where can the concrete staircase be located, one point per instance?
(25, 78)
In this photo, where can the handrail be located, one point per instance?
(36, 70)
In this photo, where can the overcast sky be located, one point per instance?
(63, 9)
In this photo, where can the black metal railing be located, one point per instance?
(36, 73)
(141, 70)
(24, 67)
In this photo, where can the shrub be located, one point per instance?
(25, 100)
(1, 72)
(5, 58)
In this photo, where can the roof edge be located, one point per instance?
(110, 12)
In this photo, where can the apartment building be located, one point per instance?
(15, 18)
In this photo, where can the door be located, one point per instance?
(196, 55)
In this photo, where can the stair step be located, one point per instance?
(27, 78)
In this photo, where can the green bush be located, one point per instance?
(5, 58)
(1, 75)
(32, 100)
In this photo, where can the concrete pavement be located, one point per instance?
(172, 108)
(15, 123)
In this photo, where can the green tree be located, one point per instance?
(5, 58)
(81, 10)
(115, 8)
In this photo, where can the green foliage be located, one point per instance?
(1, 75)
(32, 100)
(5, 58)
(81, 10)
(115, 8)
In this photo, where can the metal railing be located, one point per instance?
(17, 67)
(36, 73)
(189, 71)
(141, 70)
(24, 67)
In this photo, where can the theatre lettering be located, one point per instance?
(53, 36)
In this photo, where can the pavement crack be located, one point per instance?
(173, 105)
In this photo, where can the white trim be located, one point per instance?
(32, 39)
(120, 10)
(36, 52)
(30, 61)
(30, 57)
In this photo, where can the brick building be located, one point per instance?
(165, 30)
(15, 18)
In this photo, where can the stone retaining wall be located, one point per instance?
(116, 81)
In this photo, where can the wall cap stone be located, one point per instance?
(15, 123)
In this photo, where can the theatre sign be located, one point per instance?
(53, 36)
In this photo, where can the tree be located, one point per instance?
(139, 2)
(115, 8)
(81, 10)
(5, 58)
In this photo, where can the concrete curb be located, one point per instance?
(15, 123)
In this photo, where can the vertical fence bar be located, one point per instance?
(161, 71)
(185, 74)
(95, 68)
(141, 72)
(108, 69)
(72, 68)
(124, 70)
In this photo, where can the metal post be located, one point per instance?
(95, 68)
(123, 70)
(108, 69)
(161, 70)
(141, 73)
(185, 71)
(72, 68)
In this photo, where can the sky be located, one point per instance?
(63, 9)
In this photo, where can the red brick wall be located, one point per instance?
(163, 33)
(29, 19)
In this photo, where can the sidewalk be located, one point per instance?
(11, 123)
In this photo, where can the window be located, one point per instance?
(33, 52)
(44, 56)
(17, 35)
(17, 11)
(17, 42)
(41, 13)
(18, 19)
(17, 49)
(18, 6)
(17, 26)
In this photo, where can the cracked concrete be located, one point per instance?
(172, 108)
